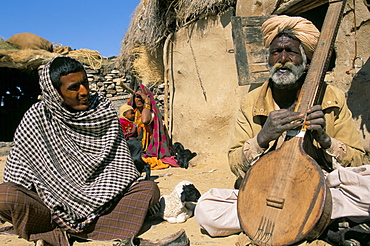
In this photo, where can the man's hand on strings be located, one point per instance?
(316, 122)
(278, 122)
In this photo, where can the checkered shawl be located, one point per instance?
(78, 163)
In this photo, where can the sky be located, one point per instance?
(81, 24)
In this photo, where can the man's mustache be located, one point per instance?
(288, 65)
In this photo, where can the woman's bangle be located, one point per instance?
(147, 105)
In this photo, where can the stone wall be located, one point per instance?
(107, 80)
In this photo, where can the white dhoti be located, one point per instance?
(350, 190)
(216, 211)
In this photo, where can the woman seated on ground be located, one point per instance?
(149, 121)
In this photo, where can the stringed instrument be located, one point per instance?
(283, 198)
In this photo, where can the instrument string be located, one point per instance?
(279, 192)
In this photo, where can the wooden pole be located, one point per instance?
(125, 87)
(165, 78)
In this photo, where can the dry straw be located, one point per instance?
(154, 20)
(89, 57)
(32, 58)
(148, 69)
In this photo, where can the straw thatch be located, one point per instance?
(24, 59)
(296, 7)
(188, 11)
(13, 57)
(149, 25)
(146, 67)
(154, 20)
(89, 57)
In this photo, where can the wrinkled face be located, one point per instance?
(75, 91)
(287, 61)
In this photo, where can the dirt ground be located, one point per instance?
(203, 175)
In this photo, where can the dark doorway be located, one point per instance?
(317, 16)
(19, 89)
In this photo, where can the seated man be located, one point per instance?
(265, 116)
(70, 174)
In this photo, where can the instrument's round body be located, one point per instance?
(283, 198)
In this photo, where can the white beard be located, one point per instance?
(290, 76)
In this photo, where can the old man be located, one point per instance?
(265, 116)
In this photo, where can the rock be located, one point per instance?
(111, 87)
(93, 87)
(117, 80)
(113, 92)
(160, 97)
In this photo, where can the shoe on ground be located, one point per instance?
(177, 239)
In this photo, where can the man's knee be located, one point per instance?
(216, 212)
(7, 193)
(7, 199)
(203, 215)
(149, 188)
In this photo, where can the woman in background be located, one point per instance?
(148, 119)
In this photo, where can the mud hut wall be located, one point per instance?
(345, 44)
(356, 83)
(205, 88)
(247, 8)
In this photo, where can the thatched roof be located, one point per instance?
(30, 59)
(154, 20)
(13, 57)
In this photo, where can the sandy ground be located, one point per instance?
(203, 175)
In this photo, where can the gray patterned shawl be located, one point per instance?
(77, 162)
